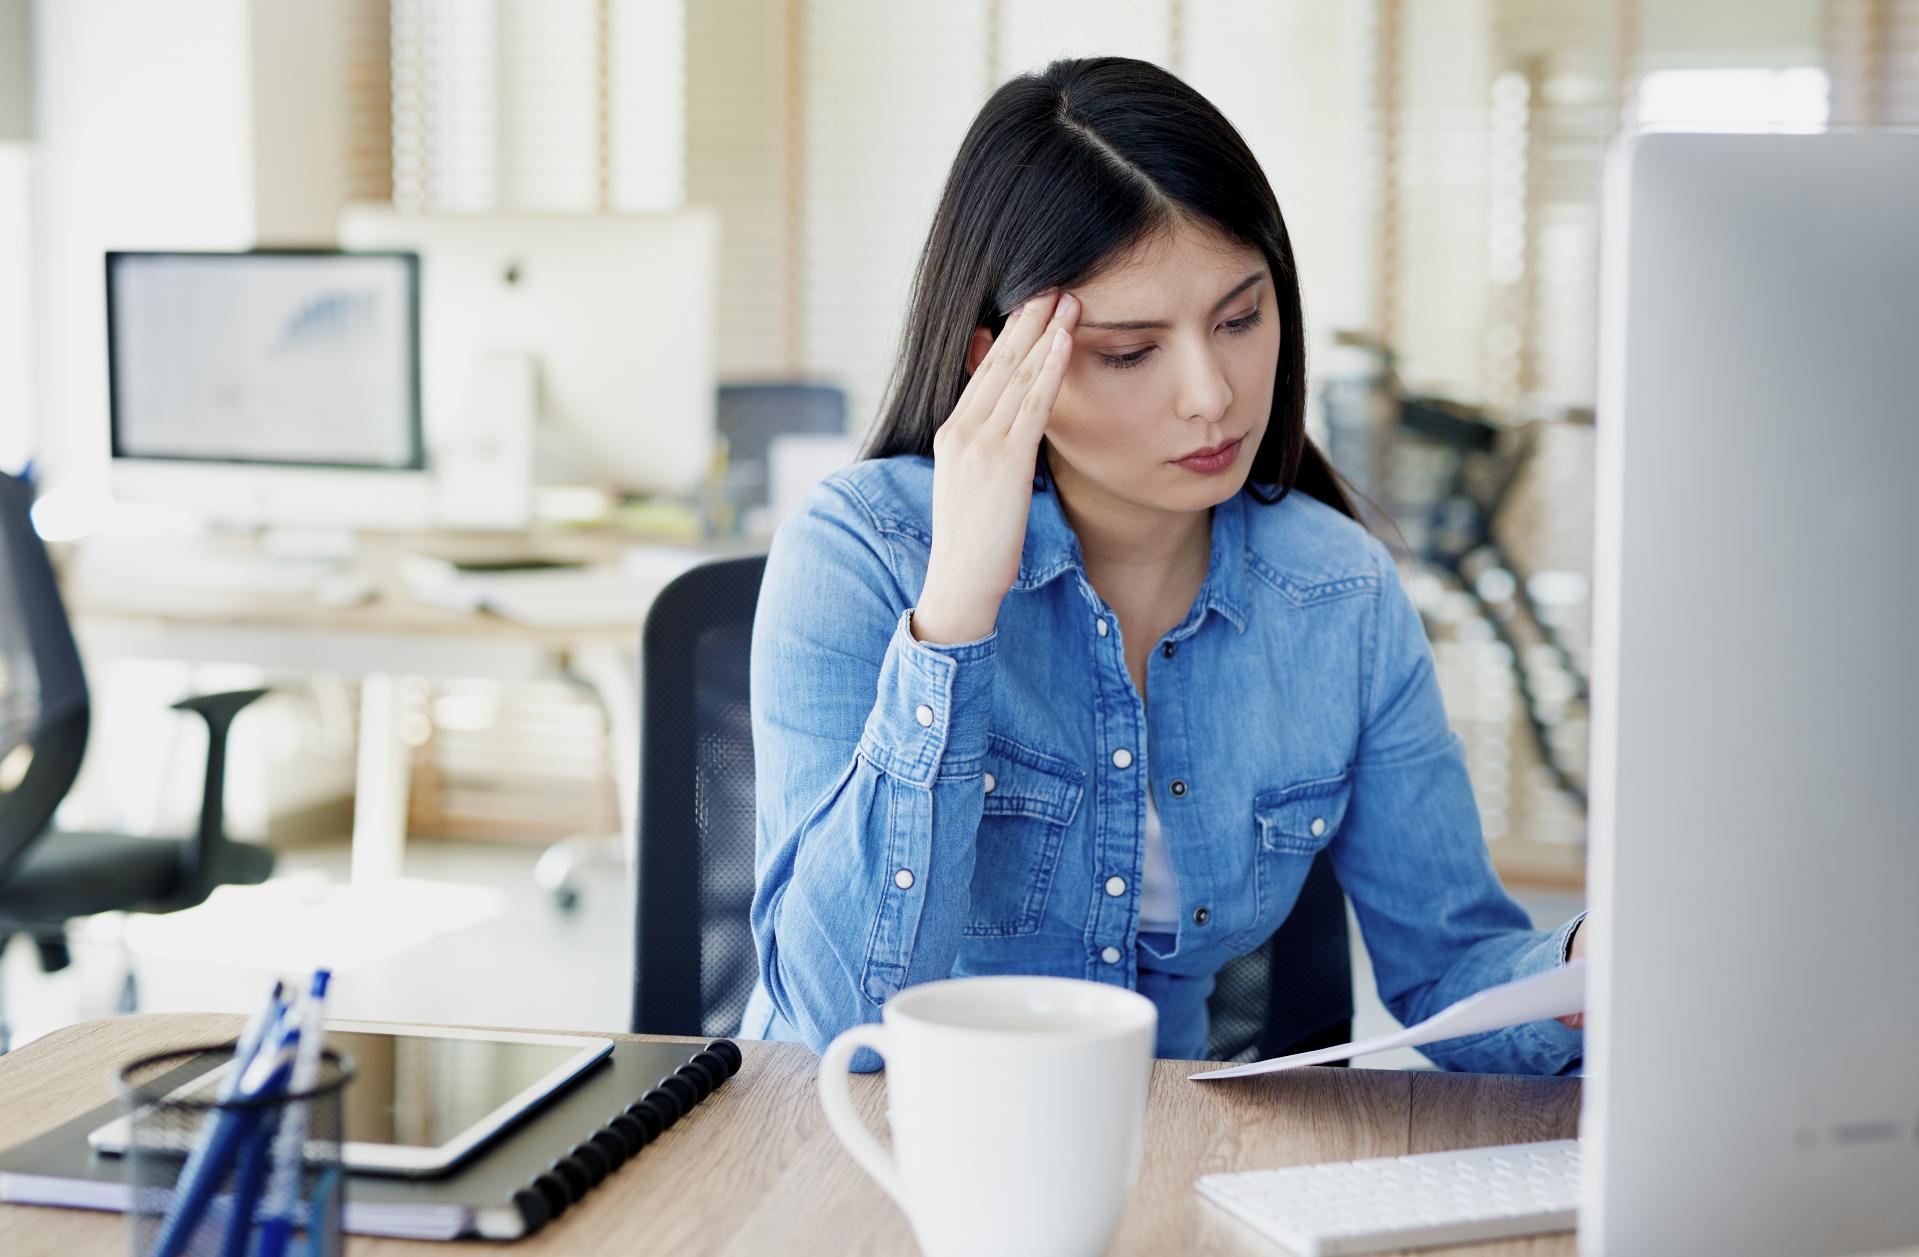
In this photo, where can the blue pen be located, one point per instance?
(249, 1169)
(266, 1078)
(206, 1165)
(289, 1146)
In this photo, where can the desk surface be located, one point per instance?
(103, 579)
(755, 1170)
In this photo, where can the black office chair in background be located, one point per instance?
(48, 876)
(694, 964)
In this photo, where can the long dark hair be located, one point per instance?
(1058, 175)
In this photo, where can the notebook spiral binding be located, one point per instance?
(625, 1133)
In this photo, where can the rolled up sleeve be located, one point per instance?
(1412, 857)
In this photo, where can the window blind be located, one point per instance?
(540, 105)
(1872, 50)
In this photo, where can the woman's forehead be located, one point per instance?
(1168, 273)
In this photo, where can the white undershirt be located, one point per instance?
(1158, 886)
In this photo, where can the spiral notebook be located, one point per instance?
(525, 1177)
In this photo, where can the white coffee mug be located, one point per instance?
(1018, 1108)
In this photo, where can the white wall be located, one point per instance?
(194, 124)
(16, 170)
(16, 305)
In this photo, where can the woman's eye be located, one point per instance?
(1123, 361)
(1239, 326)
(1245, 323)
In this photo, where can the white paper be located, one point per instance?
(1558, 992)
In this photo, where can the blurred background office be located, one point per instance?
(664, 246)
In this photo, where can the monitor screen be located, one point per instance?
(294, 358)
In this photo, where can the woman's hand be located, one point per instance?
(983, 460)
(1574, 951)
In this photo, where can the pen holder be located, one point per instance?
(236, 1177)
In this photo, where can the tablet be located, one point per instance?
(427, 1097)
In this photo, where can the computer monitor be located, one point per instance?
(1753, 1004)
(613, 315)
(274, 386)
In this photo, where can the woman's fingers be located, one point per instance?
(1028, 423)
(980, 397)
(1027, 400)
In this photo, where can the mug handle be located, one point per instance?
(845, 1119)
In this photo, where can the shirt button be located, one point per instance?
(1178, 788)
(924, 715)
(1319, 826)
(1201, 915)
(1116, 886)
(1100, 625)
(903, 879)
(1110, 955)
(1122, 758)
(991, 781)
(1168, 649)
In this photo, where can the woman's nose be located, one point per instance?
(1204, 392)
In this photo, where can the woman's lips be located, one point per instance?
(1206, 464)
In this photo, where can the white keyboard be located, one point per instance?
(1388, 1203)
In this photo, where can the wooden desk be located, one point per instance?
(121, 608)
(755, 1169)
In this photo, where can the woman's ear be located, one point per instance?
(977, 351)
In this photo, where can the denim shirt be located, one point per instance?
(935, 811)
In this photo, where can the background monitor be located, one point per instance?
(612, 315)
(1752, 1009)
(271, 386)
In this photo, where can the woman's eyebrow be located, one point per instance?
(1148, 325)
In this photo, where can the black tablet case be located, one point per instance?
(513, 1184)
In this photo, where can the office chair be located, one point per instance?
(694, 963)
(48, 876)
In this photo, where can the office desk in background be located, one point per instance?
(755, 1170)
(125, 608)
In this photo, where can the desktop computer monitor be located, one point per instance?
(1752, 1005)
(268, 387)
(603, 325)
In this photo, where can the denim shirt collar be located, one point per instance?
(1052, 550)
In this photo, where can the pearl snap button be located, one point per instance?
(1201, 915)
(1110, 955)
(1168, 649)
(1116, 886)
(923, 714)
(1319, 826)
(1178, 788)
(990, 783)
(903, 879)
(1100, 626)
(1122, 758)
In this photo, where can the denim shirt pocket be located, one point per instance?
(1030, 799)
(1294, 824)
(1301, 819)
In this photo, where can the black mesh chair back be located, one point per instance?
(1295, 992)
(43, 693)
(694, 963)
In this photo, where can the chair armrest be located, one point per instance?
(218, 710)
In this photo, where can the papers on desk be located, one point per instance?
(556, 596)
(1558, 992)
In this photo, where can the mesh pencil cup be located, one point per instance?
(211, 1176)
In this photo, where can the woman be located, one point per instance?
(1077, 672)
